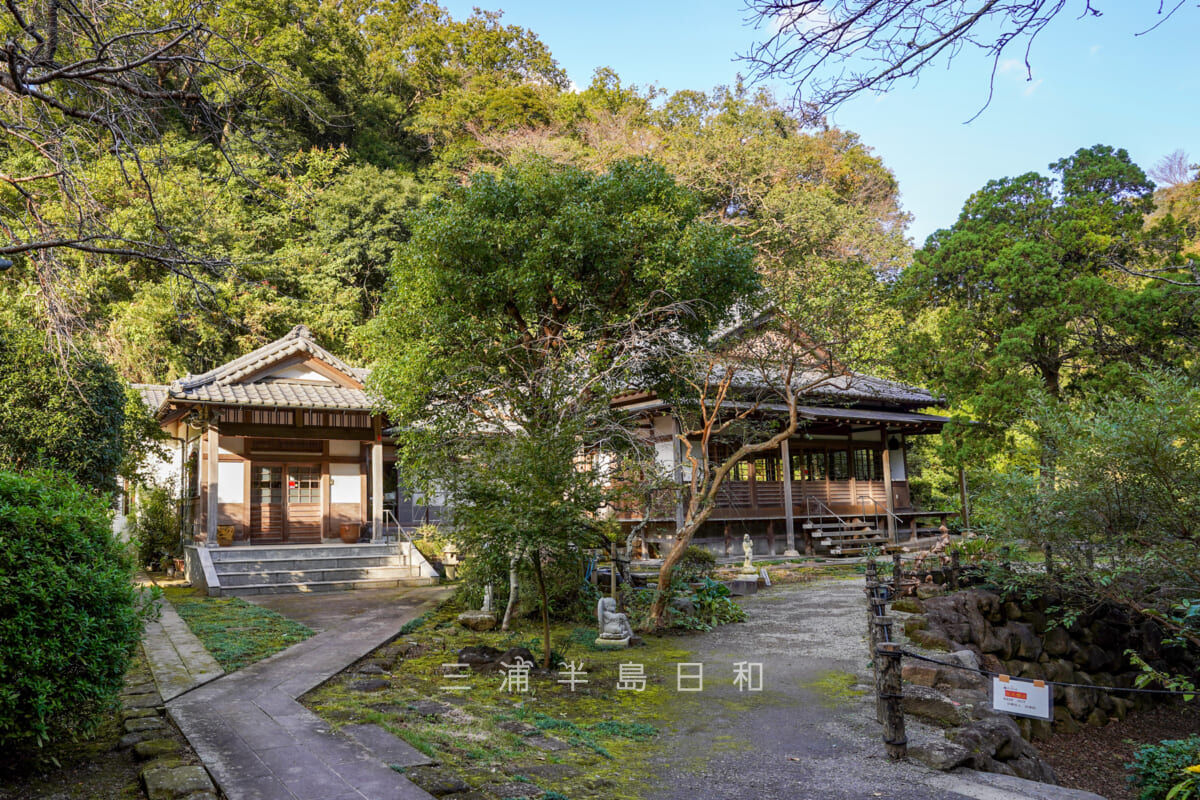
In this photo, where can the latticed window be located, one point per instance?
(266, 485)
(839, 465)
(868, 465)
(809, 465)
(304, 484)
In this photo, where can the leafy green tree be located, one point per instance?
(519, 305)
(71, 421)
(1025, 293)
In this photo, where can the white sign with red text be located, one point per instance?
(1022, 698)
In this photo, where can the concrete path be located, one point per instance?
(260, 744)
(178, 661)
(810, 733)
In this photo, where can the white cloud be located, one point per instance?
(1033, 87)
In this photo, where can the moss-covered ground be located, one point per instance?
(235, 632)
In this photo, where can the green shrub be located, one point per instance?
(155, 526)
(695, 564)
(70, 616)
(1157, 768)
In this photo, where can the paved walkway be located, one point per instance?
(178, 661)
(260, 744)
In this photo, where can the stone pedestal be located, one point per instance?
(612, 643)
(477, 620)
(744, 585)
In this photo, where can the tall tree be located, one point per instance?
(521, 303)
(1026, 292)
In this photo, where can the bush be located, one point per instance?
(70, 616)
(155, 526)
(695, 564)
(1157, 768)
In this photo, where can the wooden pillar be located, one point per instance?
(377, 491)
(890, 689)
(770, 537)
(213, 439)
(789, 514)
(889, 499)
(962, 496)
(678, 452)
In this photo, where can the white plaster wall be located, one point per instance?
(338, 447)
(664, 446)
(345, 484)
(231, 486)
(896, 461)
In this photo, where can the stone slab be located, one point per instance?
(177, 660)
(386, 747)
(993, 786)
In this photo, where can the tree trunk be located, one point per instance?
(513, 587)
(541, 582)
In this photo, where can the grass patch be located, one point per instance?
(235, 632)
(835, 687)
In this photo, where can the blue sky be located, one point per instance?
(1094, 82)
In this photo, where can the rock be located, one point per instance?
(519, 728)
(920, 674)
(1120, 707)
(139, 724)
(477, 656)
(928, 590)
(940, 754)
(1039, 730)
(371, 669)
(966, 678)
(987, 738)
(509, 657)
(175, 783)
(478, 621)
(1012, 611)
(989, 662)
(1079, 701)
(437, 781)
(1032, 768)
(1029, 646)
(151, 700)
(139, 688)
(429, 708)
(1093, 658)
(1065, 723)
(137, 713)
(917, 623)
(930, 704)
(683, 605)
(908, 605)
(370, 685)
(1057, 641)
(546, 743)
(514, 789)
(153, 748)
(130, 739)
(1097, 719)
(930, 640)
(1060, 671)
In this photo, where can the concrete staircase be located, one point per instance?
(241, 570)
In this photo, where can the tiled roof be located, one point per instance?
(153, 394)
(225, 383)
(848, 387)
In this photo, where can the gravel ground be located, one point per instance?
(811, 732)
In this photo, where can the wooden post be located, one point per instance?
(962, 498)
(889, 497)
(214, 471)
(789, 512)
(613, 577)
(377, 492)
(897, 575)
(770, 537)
(890, 690)
(872, 630)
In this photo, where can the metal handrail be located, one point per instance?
(886, 511)
(829, 512)
(388, 515)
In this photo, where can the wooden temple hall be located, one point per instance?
(838, 486)
(281, 447)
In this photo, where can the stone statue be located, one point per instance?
(615, 630)
(748, 549)
(488, 599)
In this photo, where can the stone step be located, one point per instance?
(291, 563)
(241, 552)
(834, 526)
(324, 586)
(231, 579)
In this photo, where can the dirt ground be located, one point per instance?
(1094, 759)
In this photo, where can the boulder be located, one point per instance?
(992, 737)
(940, 754)
(1057, 641)
(927, 590)
(930, 640)
(1029, 646)
(479, 656)
(908, 605)
(683, 605)
(1097, 719)
(920, 674)
(1012, 610)
(1032, 768)
(933, 706)
(1093, 658)
(478, 621)
(509, 657)
(1079, 701)
(153, 748)
(915, 623)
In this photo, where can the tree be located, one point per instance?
(1026, 294)
(519, 305)
(833, 50)
(75, 422)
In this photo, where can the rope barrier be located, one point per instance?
(920, 657)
